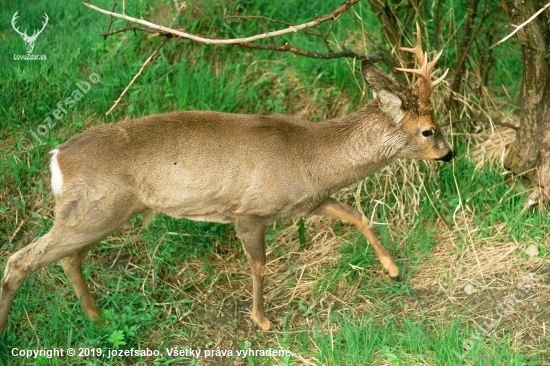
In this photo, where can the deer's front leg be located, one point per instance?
(252, 234)
(338, 210)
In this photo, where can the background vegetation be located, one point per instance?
(187, 284)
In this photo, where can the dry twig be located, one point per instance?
(467, 120)
(326, 55)
(244, 42)
(518, 27)
(16, 231)
(137, 75)
(292, 29)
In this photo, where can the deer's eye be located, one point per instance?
(428, 133)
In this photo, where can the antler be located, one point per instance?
(44, 23)
(13, 19)
(24, 34)
(425, 70)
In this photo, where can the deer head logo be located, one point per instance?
(29, 40)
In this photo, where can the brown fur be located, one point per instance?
(223, 167)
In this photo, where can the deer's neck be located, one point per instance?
(352, 147)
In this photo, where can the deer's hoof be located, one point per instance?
(393, 271)
(397, 278)
(262, 323)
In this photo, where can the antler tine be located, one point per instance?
(440, 79)
(417, 49)
(431, 65)
(16, 28)
(434, 61)
(425, 68)
(44, 23)
(36, 32)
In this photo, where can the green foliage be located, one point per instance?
(139, 281)
(117, 339)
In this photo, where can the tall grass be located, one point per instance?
(187, 284)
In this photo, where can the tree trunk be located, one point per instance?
(530, 152)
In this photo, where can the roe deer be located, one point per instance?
(247, 169)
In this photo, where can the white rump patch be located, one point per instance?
(57, 177)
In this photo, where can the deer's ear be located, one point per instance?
(391, 105)
(374, 77)
(385, 90)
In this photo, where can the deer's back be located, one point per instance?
(202, 165)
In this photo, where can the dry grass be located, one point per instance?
(496, 269)
(220, 311)
(218, 307)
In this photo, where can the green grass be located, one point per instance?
(185, 284)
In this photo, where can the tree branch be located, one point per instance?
(518, 27)
(134, 29)
(243, 42)
(467, 120)
(326, 56)
(292, 29)
(111, 19)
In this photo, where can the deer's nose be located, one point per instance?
(448, 157)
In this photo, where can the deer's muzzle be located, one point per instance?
(448, 157)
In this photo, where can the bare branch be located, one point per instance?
(292, 29)
(243, 42)
(326, 56)
(486, 120)
(137, 75)
(330, 54)
(518, 27)
(267, 19)
(134, 29)
(111, 19)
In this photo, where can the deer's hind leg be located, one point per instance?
(53, 246)
(72, 265)
(82, 220)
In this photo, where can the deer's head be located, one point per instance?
(414, 131)
(29, 40)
